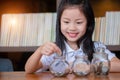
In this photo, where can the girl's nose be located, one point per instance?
(72, 26)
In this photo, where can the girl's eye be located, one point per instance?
(79, 22)
(66, 22)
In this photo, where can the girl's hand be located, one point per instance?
(49, 48)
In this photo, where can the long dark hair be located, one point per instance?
(84, 5)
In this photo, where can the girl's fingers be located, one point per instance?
(56, 49)
(50, 48)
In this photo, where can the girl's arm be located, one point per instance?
(34, 63)
(115, 65)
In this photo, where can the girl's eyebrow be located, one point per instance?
(76, 19)
(79, 19)
(66, 18)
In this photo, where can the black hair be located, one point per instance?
(86, 39)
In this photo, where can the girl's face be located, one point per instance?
(73, 24)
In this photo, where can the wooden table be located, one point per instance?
(49, 76)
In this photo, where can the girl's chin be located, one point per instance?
(72, 39)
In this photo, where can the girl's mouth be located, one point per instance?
(73, 35)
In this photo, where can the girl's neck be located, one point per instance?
(73, 45)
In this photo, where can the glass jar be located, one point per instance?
(59, 67)
(100, 62)
(81, 65)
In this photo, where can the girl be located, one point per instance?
(74, 29)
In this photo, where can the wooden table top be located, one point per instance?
(49, 76)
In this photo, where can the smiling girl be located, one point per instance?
(74, 28)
